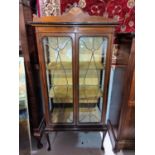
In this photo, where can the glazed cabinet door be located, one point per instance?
(92, 58)
(58, 77)
(75, 72)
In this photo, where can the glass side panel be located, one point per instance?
(58, 58)
(92, 59)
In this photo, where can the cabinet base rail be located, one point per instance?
(43, 130)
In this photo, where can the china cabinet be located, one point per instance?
(122, 135)
(74, 53)
(29, 52)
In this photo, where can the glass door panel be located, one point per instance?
(92, 60)
(58, 60)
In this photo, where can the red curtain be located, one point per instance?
(122, 10)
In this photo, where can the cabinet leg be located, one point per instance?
(48, 141)
(104, 134)
(39, 144)
(116, 150)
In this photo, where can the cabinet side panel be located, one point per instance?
(127, 119)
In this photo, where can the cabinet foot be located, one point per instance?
(102, 148)
(39, 144)
(116, 150)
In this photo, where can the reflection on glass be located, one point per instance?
(58, 58)
(92, 55)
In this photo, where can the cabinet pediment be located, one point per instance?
(75, 16)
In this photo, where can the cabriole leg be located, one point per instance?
(39, 144)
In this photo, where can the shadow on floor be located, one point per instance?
(77, 143)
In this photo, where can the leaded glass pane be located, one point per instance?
(58, 58)
(92, 59)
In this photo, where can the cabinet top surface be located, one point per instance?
(74, 17)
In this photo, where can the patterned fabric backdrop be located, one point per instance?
(122, 10)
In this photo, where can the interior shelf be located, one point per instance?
(66, 115)
(68, 73)
(68, 65)
(65, 94)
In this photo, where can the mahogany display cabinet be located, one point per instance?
(74, 53)
(122, 135)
